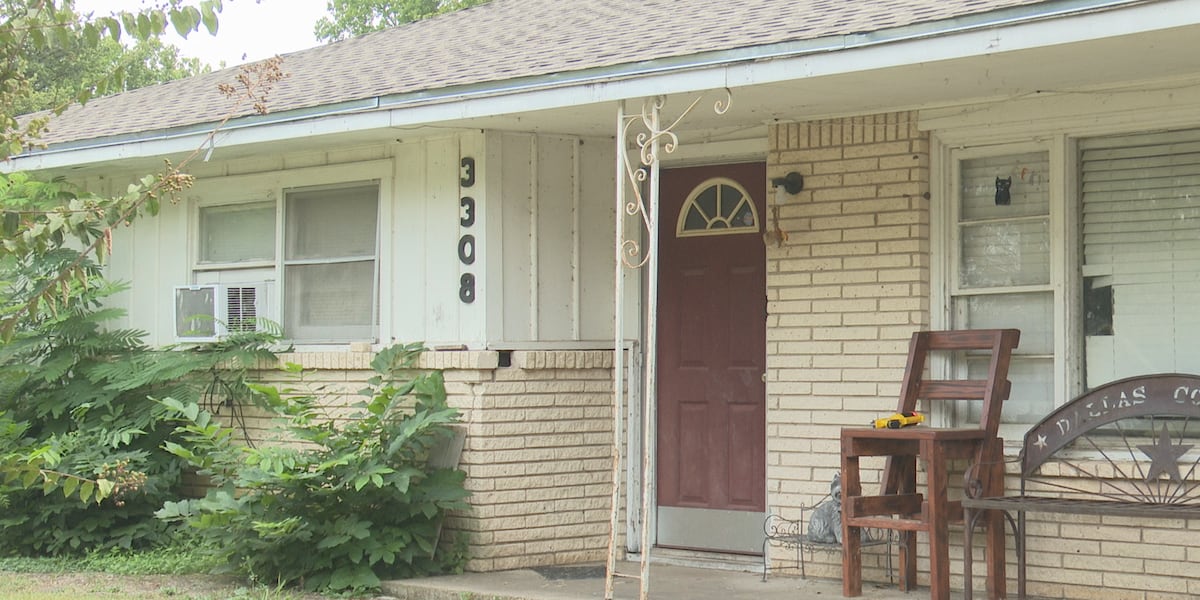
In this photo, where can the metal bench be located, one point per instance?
(1120, 450)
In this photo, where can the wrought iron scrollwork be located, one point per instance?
(652, 140)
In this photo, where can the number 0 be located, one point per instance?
(466, 249)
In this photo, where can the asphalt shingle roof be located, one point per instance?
(504, 40)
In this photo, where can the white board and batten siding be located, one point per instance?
(426, 272)
(558, 219)
(543, 240)
(150, 259)
(541, 258)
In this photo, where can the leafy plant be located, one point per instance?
(76, 419)
(353, 499)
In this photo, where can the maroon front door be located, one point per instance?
(712, 358)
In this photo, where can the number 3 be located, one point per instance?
(468, 216)
(468, 172)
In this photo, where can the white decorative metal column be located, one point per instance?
(643, 132)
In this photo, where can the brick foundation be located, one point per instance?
(538, 452)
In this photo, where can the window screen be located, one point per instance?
(237, 233)
(329, 263)
(1003, 270)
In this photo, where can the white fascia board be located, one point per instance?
(168, 145)
(846, 54)
(836, 60)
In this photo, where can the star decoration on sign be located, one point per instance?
(1041, 442)
(1164, 457)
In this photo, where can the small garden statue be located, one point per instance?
(825, 526)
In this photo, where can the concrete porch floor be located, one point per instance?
(586, 582)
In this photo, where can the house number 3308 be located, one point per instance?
(466, 241)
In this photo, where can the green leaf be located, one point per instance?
(209, 17)
(129, 20)
(180, 22)
(86, 491)
(353, 577)
(179, 451)
(158, 20)
(112, 26)
(145, 27)
(69, 486)
(104, 488)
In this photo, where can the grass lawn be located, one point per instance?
(106, 586)
(158, 575)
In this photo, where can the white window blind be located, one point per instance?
(1141, 253)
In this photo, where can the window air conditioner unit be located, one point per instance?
(204, 313)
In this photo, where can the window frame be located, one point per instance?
(1064, 282)
(681, 230)
(272, 187)
(285, 262)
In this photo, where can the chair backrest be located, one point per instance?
(992, 391)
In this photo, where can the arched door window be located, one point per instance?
(718, 206)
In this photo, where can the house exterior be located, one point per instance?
(973, 163)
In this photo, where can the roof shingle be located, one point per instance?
(504, 40)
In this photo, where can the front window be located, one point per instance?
(329, 263)
(1113, 295)
(1002, 271)
(326, 259)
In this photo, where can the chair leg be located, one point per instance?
(907, 553)
(851, 536)
(938, 522)
(994, 486)
(904, 481)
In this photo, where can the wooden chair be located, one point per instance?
(899, 506)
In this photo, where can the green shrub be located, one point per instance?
(79, 393)
(351, 501)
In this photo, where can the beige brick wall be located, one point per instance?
(538, 459)
(538, 447)
(846, 291)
